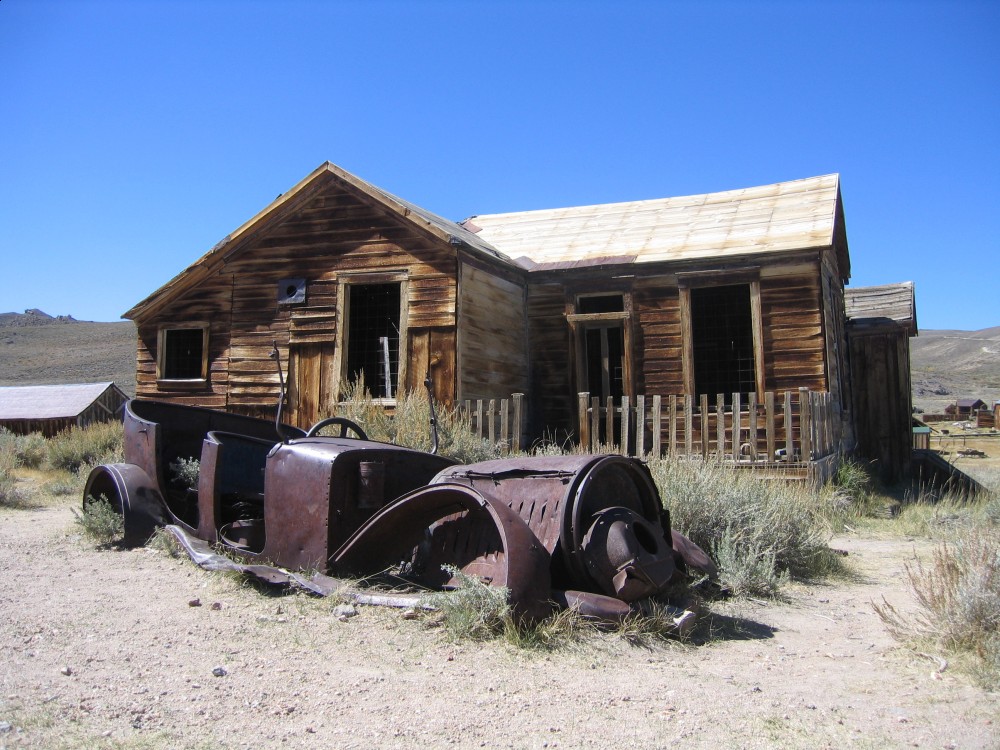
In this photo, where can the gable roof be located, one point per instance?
(284, 205)
(872, 305)
(49, 401)
(785, 216)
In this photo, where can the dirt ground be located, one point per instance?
(104, 649)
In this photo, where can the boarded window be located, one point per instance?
(183, 353)
(722, 334)
(373, 337)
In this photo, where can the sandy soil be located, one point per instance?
(103, 649)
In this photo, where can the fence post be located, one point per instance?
(626, 409)
(805, 423)
(640, 426)
(504, 428)
(703, 401)
(518, 431)
(657, 423)
(789, 438)
(720, 425)
(752, 427)
(736, 426)
(595, 424)
(769, 423)
(581, 407)
(479, 418)
(688, 424)
(609, 422)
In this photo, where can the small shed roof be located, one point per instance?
(786, 216)
(871, 305)
(49, 401)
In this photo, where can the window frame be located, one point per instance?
(344, 281)
(162, 334)
(749, 276)
(581, 323)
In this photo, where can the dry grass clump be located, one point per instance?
(410, 424)
(959, 597)
(98, 443)
(10, 495)
(759, 531)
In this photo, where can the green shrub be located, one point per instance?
(758, 530)
(184, 472)
(28, 451)
(959, 598)
(99, 443)
(101, 521)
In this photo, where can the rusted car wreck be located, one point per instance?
(587, 531)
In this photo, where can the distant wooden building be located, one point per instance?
(881, 321)
(967, 408)
(50, 409)
(739, 292)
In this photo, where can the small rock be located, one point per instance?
(194, 603)
(216, 606)
(410, 614)
(345, 610)
(5, 726)
(66, 671)
(220, 671)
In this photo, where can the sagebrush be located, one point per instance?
(959, 597)
(759, 531)
(80, 447)
(101, 521)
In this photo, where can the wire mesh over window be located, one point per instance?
(722, 331)
(373, 337)
(183, 353)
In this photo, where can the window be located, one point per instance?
(183, 353)
(600, 322)
(723, 341)
(372, 337)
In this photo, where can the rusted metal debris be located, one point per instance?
(587, 531)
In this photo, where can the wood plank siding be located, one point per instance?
(493, 336)
(335, 236)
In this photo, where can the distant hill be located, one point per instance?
(37, 348)
(949, 365)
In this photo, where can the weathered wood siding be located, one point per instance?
(794, 344)
(880, 369)
(552, 400)
(334, 233)
(492, 336)
(658, 338)
(210, 302)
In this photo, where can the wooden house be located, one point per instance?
(739, 293)
(967, 408)
(51, 409)
(881, 321)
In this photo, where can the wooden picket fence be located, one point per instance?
(789, 427)
(791, 433)
(501, 421)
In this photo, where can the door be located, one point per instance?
(311, 383)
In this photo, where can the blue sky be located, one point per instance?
(134, 135)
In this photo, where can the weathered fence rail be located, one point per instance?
(788, 427)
